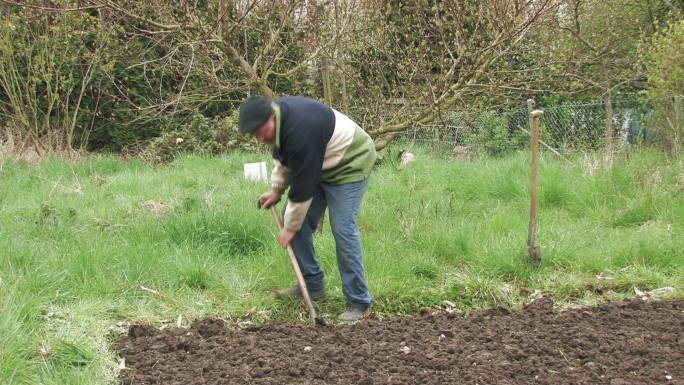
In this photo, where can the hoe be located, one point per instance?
(298, 273)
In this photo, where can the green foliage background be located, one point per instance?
(97, 79)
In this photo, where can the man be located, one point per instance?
(325, 160)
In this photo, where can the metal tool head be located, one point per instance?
(320, 321)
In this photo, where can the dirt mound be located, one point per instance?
(209, 327)
(618, 343)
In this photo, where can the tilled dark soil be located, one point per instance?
(618, 343)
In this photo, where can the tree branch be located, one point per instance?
(51, 9)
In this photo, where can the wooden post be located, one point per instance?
(534, 251)
(679, 121)
(436, 141)
(609, 122)
(530, 108)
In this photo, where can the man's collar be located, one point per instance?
(276, 109)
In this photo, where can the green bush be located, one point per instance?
(200, 135)
(493, 135)
(665, 70)
(49, 65)
(665, 73)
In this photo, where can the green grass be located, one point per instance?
(91, 246)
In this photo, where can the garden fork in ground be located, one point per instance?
(534, 250)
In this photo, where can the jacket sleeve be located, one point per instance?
(305, 162)
(280, 178)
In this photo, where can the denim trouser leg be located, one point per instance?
(344, 202)
(303, 246)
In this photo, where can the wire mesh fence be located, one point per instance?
(565, 128)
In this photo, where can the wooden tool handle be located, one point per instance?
(536, 115)
(533, 251)
(295, 267)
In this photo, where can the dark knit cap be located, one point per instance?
(254, 112)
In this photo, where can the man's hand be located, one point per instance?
(269, 198)
(285, 237)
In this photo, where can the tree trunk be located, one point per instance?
(339, 60)
(325, 75)
(384, 140)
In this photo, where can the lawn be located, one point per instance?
(91, 246)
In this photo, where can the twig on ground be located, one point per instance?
(153, 292)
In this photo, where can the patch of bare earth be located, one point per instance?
(634, 342)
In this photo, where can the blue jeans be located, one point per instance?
(343, 202)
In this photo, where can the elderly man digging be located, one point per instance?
(325, 159)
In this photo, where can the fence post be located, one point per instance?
(530, 107)
(609, 121)
(436, 141)
(533, 250)
(679, 119)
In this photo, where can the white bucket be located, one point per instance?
(256, 171)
